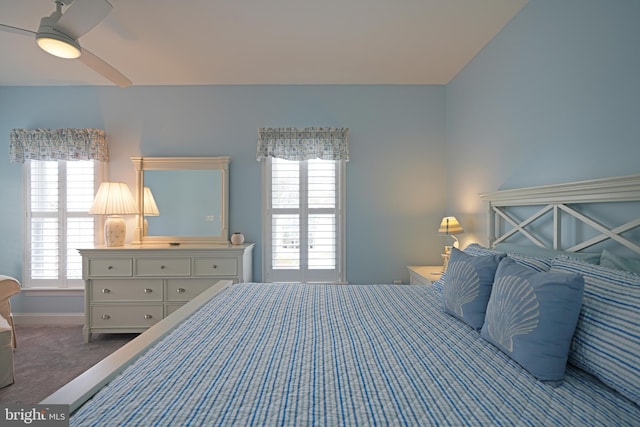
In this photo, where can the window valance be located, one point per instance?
(58, 144)
(303, 144)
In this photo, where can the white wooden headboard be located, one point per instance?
(573, 199)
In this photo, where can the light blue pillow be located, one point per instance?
(535, 263)
(531, 316)
(538, 252)
(616, 262)
(607, 339)
(467, 286)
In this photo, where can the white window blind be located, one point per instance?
(303, 221)
(59, 195)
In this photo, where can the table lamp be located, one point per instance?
(150, 209)
(114, 199)
(448, 226)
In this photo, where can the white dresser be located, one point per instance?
(130, 288)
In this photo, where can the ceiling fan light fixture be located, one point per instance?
(58, 34)
(58, 44)
(54, 41)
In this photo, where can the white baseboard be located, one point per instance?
(49, 319)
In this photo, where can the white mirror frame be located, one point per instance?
(142, 164)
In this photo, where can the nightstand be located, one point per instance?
(424, 275)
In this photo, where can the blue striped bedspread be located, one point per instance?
(355, 355)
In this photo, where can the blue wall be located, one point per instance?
(554, 97)
(395, 185)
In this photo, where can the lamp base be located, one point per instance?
(115, 231)
(445, 262)
(445, 258)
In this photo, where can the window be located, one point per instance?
(58, 195)
(303, 220)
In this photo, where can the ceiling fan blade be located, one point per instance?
(82, 15)
(104, 69)
(16, 30)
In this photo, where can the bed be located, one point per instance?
(291, 354)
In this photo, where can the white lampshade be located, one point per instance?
(450, 225)
(150, 209)
(150, 206)
(114, 199)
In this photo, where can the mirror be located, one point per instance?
(191, 195)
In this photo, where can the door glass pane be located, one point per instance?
(322, 184)
(285, 232)
(285, 184)
(322, 241)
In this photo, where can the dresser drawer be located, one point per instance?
(215, 266)
(126, 290)
(125, 316)
(186, 289)
(110, 267)
(163, 267)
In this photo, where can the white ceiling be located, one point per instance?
(224, 42)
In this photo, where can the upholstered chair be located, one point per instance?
(8, 287)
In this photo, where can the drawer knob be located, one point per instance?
(162, 267)
(106, 316)
(180, 290)
(215, 266)
(148, 290)
(106, 291)
(148, 316)
(110, 267)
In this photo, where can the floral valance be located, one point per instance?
(303, 144)
(58, 144)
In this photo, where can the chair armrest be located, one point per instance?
(8, 287)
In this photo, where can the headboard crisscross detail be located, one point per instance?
(569, 199)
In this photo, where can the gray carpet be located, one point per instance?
(48, 357)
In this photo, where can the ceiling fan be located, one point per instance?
(58, 34)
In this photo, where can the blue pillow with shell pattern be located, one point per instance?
(467, 286)
(537, 264)
(531, 316)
